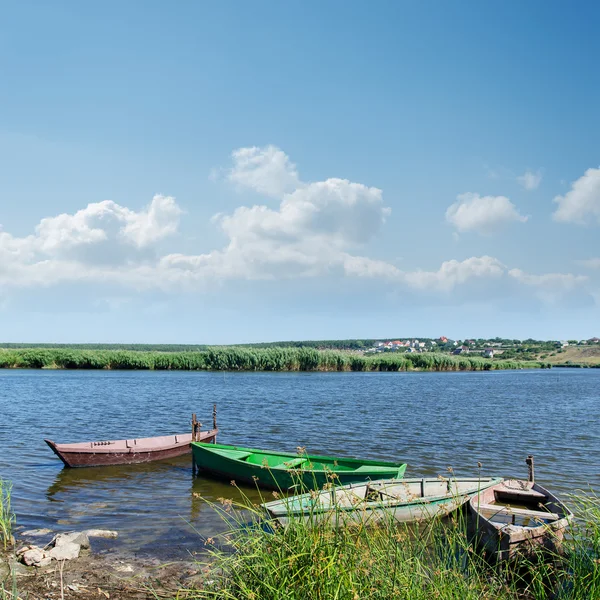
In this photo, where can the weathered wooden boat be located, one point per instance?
(133, 451)
(286, 470)
(515, 517)
(376, 501)
(126, 452)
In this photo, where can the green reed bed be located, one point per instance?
(7, 517)
(310, 560)
(248, 359)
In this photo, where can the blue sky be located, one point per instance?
(232, 172)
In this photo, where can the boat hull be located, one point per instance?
(286, 475)
(497, 531)
(402, 501)
(126, 452)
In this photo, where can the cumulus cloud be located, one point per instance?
(317, 229)
(483, 214)
(266, 170)
(530, 180)
(103, 233)
(452, 273)
(582, 201)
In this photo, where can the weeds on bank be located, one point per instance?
(310, 559)
(7, 517)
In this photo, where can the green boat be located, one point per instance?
(286, 470)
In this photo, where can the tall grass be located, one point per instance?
(12, 593)
(7, 517)
(436, 559)
(248, 359)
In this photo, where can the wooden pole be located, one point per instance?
(529, 462)
(193, 440)
(214, 421)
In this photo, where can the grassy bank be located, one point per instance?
(245, 359)
(7, 517)
(436, 560)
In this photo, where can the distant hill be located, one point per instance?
(580, 355)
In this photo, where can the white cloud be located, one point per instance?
(452, 273)
(68, 246)
(582, 201)
(530, 180)
(590, 263)
(483, 214)
(313, 232)
(555, 281)
(266, 170)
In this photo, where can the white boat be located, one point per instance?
(402, 500)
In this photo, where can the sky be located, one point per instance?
(232, 172)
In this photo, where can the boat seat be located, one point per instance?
(237, 454)
(291, 464)
(371, 469)
(507, 492)
(521, 512)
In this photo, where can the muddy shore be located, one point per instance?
(103, 576)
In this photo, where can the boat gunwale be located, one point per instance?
(368, 462)
(71, 448)
(379, 504)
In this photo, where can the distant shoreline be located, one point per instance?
(251, 359)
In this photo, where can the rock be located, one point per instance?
(44, 562)
(36, 532)
(75, 537)
(33, 557)
(18, 569)
(124, 569)
(24, 549)
(66, 551)
(101, 533)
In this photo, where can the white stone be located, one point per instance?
(24, 549)
(33, 556)
(101, 533)
(76, 537)
(66, 551)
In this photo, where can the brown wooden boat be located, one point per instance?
(126, 452)
(137, 450)
(516, 517)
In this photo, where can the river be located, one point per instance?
(432, 421)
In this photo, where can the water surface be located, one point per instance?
(432, 421)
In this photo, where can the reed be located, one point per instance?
(11, 593)
(419, 561)
(7, 517)
(248, 359)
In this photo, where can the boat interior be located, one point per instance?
(282, 461)
(521, 503)
(404, 491)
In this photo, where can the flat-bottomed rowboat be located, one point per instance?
(126, 452)
(402, 500)
(286, 470)
(516, 516)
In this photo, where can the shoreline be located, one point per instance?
(252, 360)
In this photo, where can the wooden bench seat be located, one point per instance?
(521, 512)
(516, 493)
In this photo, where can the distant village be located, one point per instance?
(485, 348)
